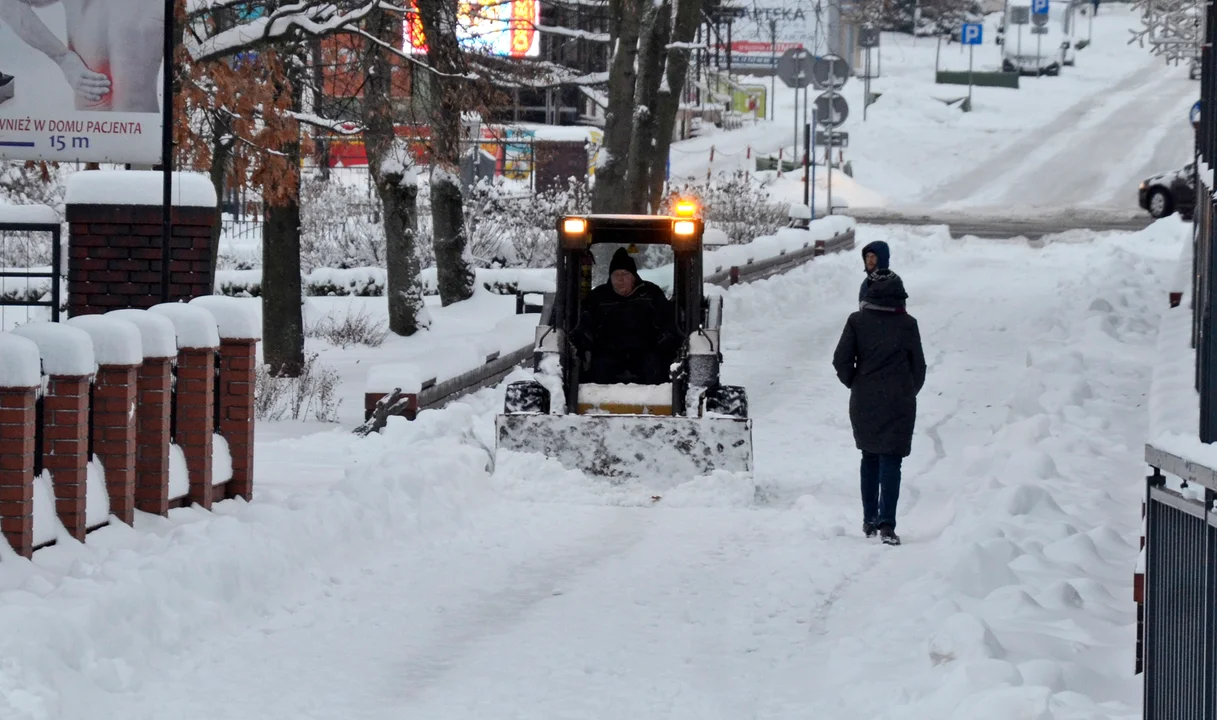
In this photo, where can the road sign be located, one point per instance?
(1194, 113)
(831, 109)
(971, 33)
(796, 68)
(830, 72)
(1020, 15)
(839, 139)
(1039, 7)
(1039, 30)
(868, 37)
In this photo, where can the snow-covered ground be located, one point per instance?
(409, 575)
(1085, 138)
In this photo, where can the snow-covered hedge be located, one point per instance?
(372, 281)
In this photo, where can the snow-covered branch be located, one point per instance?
(1171, 28)
(568, 32)
(340, 127)
(309, 17)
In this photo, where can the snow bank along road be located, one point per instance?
(395, 577)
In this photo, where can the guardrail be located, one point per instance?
(433, 393)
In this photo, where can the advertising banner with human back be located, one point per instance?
(82, 80)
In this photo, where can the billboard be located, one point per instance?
(506, 28)
(82, 80)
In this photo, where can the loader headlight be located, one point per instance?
(574, 232)
(684, 228)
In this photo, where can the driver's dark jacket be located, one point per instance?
(628, 331)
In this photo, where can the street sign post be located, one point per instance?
(1194, 115)
(971, 35)
(1020, 15)
(796, 69)
(831, 109)
(868, 38)
(1039, 16)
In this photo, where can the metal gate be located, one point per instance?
(1180, 590)
(30, 267)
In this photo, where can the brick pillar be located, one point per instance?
(114, 433)
(237, 362)
(17, 468)
(196, 418)
(152, 436)
(65, 447)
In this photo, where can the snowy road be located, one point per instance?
(423, 588)
(1093, 154)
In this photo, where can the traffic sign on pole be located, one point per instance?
(972, 33)
(1194, 113)
(830, 72)
(1039, 7)
(1020, 15)
(796, 68)
(831, 109)
(868, 37)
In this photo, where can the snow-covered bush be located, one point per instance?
(356, 281)
(341, 225)
(239, 283)
(356, 328)
(534, 222)
(313, 394)
(736, 204)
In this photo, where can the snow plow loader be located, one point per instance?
(680, 423)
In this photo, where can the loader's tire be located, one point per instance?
(526, 396)
(727, 400)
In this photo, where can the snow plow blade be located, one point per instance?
(632, 445)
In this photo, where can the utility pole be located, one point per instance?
(773, 79)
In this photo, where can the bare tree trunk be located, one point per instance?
(390, 165)
(455, 272)
(688, 12)
(221, 152)
(610, 191)
(656, 26)
(282, 294)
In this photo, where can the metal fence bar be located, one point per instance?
(1178, 606)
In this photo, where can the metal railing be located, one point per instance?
(27, 279)
(1180, 590)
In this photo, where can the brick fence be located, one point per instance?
(102, 405)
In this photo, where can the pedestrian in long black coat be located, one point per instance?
(880, 359)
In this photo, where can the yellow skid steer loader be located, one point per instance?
(690, 425)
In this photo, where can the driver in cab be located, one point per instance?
(629, 327)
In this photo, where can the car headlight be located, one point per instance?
(1142, 187)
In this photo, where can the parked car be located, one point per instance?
(1043, 53)
(1170, 192)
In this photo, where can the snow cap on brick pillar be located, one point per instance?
(20, 377)
(68, 361)
(240, 329)
(118, 350)
(197, 342)
(158, 340)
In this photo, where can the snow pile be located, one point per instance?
(386, 377)
(195, 326)
(158, 337)
(221, 460)
(47, 526)
(66, 351)
(179, 473)
(97, 497)
(235, 320)
(168, 583)
(769, 246)
(20, 363)
(138, 187)
(115, 341)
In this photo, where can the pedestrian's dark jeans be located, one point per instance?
(880, 488)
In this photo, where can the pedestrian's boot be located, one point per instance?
(888, 534)
(869, 529)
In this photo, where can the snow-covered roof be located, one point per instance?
(20, 364)
(196, 328)
(65, 351)
(158, 337)
(235, 320)
(138, 187)
(115, 341)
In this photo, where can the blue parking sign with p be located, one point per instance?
(971, 33)
(1039, 7)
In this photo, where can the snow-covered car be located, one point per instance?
(1026, 52)
(1170, 192)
